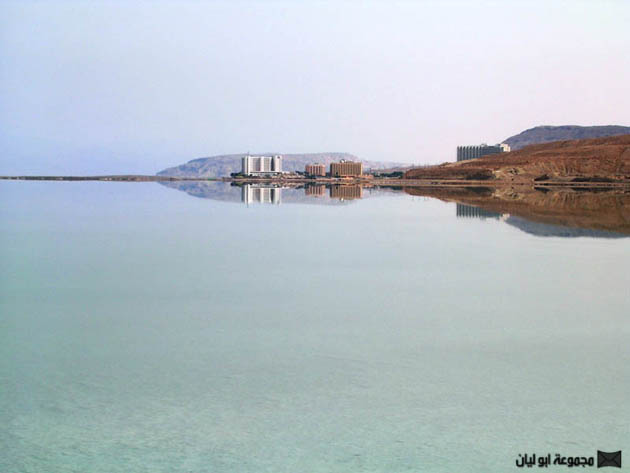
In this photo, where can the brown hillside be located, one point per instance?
(599, 159)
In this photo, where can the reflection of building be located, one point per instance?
(469, 211)
(465, 153)
(261, 195)
(315, 191)
(346, 168)
(261, 165)
(315, 169)
(346, 192)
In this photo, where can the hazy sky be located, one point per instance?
(114, 87)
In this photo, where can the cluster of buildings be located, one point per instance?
(341, 169)
(269, 166)
(464, 153)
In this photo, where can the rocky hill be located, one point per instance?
(593, 160)
(547, 134)
(224, 165)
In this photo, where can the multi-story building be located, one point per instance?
(465, 153)
(261, 165)
(346, 169)
(253, 194)
(315, 169)
(346, 192)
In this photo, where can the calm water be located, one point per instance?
(145, 329)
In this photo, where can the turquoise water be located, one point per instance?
(143, 329)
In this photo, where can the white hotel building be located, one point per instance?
(464, 153)
(262, 165)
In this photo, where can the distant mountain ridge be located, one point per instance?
(547, 134)
(224, 165)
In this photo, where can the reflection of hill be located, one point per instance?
(228, 193)
(317, 194)
(207, 190)
(561, 212)
(607, 210)
(548, 230)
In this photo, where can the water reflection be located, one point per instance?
(267, 194)
(470, 211)
(316, 194)
(550, 230)
(261, 194)
(316, 190)
(532, 227)
(562, 212)
(346, 192)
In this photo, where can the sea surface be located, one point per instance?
(146, 329)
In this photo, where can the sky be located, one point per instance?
(135, 87)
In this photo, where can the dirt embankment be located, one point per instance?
(593, 160)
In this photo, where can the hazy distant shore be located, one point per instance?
(115, 177)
